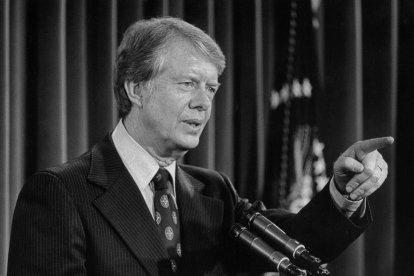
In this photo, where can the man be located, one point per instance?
(104, 212)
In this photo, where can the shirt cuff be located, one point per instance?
(346, 206)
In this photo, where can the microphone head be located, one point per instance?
(236, 230)
(322, 272)
(294, 270)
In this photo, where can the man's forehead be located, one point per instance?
(183, 54)
(186, 50)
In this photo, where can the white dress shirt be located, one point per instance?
(140, 164)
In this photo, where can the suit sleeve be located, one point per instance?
(320, 226)
(323, 228)
(47, 237)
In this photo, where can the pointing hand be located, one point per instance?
(361, 170)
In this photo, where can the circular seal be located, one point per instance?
(169, 233)
(164, 201)
(157, 177)
(174, 217)
(179, 249)
(157, 218)
(173, 266)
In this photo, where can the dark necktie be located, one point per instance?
(166, 216)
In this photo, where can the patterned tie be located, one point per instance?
(166, 216)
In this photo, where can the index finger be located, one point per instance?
(367, 146)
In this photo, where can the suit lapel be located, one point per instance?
(124, 207)
(201, 216)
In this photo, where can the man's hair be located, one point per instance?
(143, 49)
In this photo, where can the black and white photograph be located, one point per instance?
(206, 137)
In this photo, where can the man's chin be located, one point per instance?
(189, 144)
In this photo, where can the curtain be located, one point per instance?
(403, 161)
(359, 102)
(56, 100)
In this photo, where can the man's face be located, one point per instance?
(179, 105)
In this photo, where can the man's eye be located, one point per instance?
(212, 89)
(188, 84)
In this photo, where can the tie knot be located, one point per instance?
(160, 179)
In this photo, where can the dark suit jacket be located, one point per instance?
(87, 217)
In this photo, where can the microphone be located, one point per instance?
(258, 246)
(273, 234)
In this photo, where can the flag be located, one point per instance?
(295, 166)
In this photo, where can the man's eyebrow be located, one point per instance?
(195, 78)
(214, 83)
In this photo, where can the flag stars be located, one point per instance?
(295, 90)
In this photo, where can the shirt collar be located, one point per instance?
(140, 164)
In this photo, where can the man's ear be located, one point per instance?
(134, 92)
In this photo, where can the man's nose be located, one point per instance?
(201, 100)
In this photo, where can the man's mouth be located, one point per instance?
(194, 123)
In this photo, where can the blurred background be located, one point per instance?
(304, 80)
